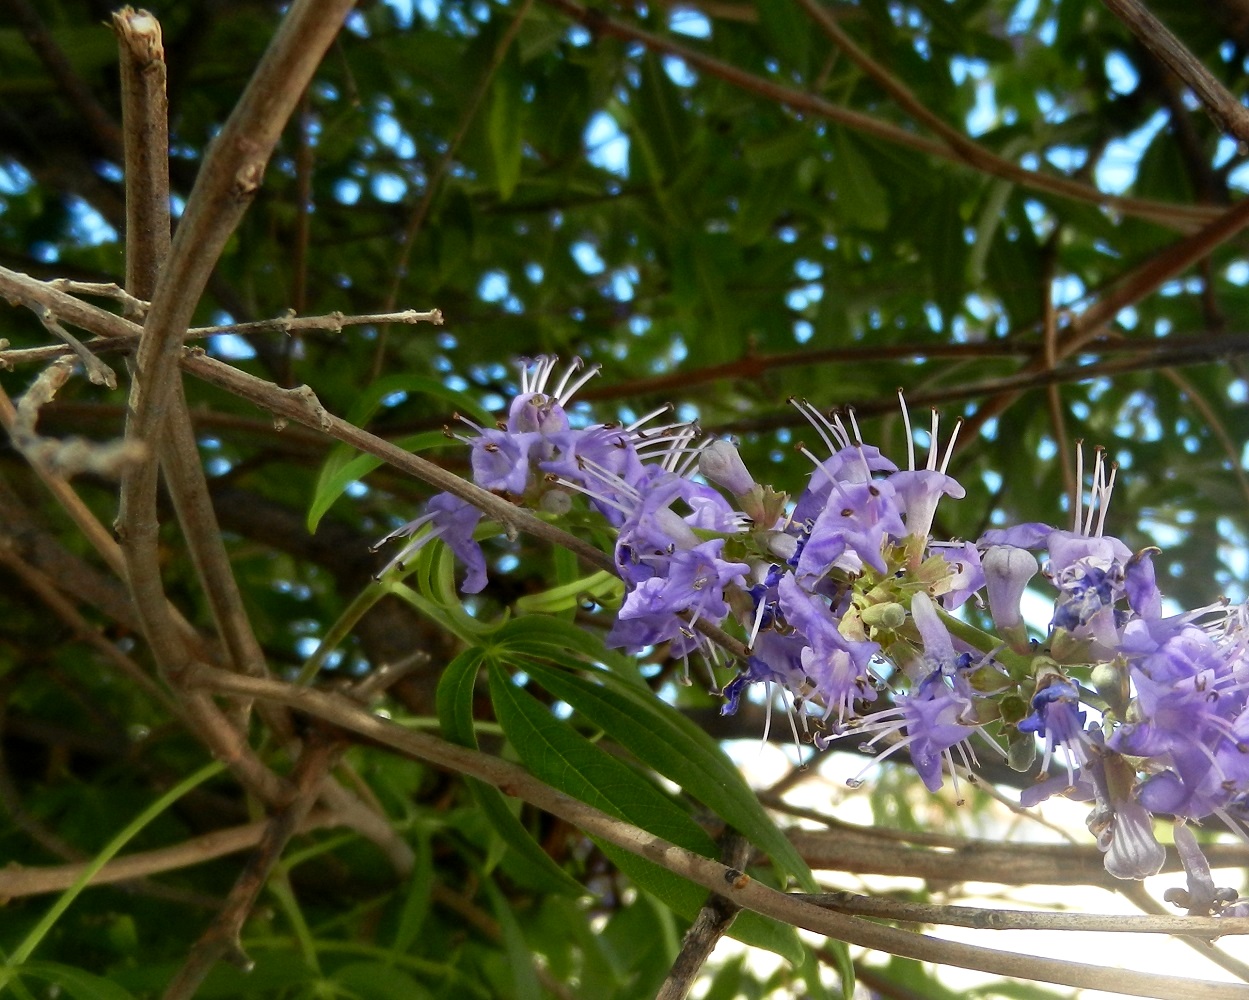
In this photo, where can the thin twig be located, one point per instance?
(333, 322)
(64, 457)
(1180, 217)
(101, 127)
(221, 940)
(1221, 105)
(712, 923)
(133, 307)
(983, 918)
(17, 881)
(97, 371)
(713, 875)
(434, 183)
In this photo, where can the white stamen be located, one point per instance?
(906, 423)
(754, 632)
(563, 397)
(1077, 502)
(854, 425)
(949, 449)
(575, 366)
(666, 408)
(932, 443)
(817, 420)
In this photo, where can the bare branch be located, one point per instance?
(97, 371)
(221, 940)
(711, 924)
(17, 881)
(983, 918)
(1226, 111)
(68, 456)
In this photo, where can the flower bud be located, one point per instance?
(889, 615)
(721, 464)
(1007, 570)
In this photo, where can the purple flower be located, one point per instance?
(966, 573)
(938, 713)
(851, 531)
(721, 464)
(694, 583)
(1057, 717)
(836, 666)
(500, 459)
(454, 521)
(936, 716)
(1132, 850)
(919, 490)
(1202, 898)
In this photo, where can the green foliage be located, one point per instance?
(711, 239)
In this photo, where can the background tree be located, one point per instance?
(1018, 212)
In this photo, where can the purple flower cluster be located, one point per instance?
(847, 605)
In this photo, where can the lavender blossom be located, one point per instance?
(454, 521)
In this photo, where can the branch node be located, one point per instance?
(307, 400)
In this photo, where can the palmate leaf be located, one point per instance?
(556, 754)
(455, 714)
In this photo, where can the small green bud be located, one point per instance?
(888, 615)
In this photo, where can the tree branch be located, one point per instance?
(710, 874)
(983, 918)
(1181, 217)
(1223, 108)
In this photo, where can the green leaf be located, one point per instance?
(335, 477)
(602, 586)
(665, 740)
(379, 981)
(944, 245)
(555, 753)
(77, 983)
(520, 958)
(436, 597)
(788, 31)
(21, 954)
(417, 901)
(542, 636)
(455, 714)
(861, 200)
(503, 126)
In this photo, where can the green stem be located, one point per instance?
(280, 886)
(24, 950)
(339, 631)
(1019, 665)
